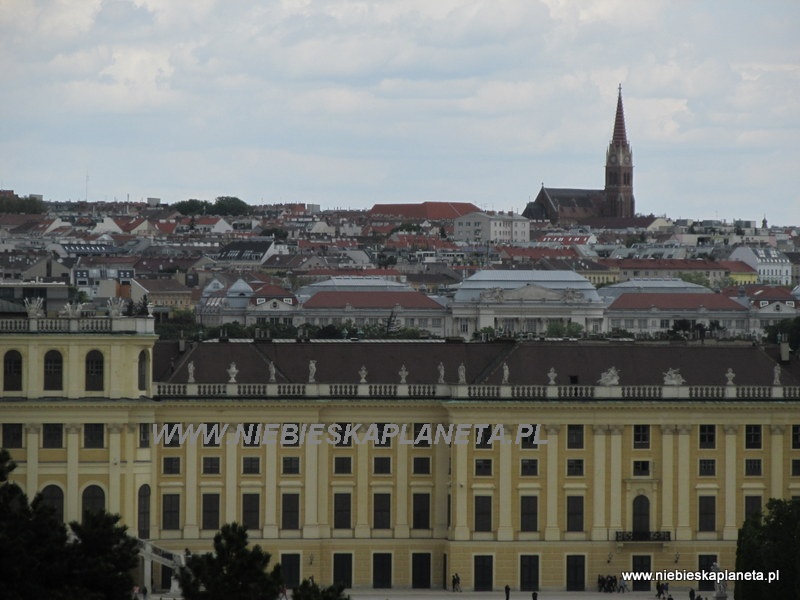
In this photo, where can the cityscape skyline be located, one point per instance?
(348, 104)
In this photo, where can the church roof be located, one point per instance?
(620, 137)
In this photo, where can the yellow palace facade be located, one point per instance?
(648, 457)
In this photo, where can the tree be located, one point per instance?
(787, 329)
(308, 590)
(6, 465)
(193, 207)
(769, 542)
(232, 571)
(693, 277)
(102, 556)
(230, 205)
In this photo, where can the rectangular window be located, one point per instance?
(421, 511)
(290, 511)
(12, 435)
(52, 435)
(292, 442)
(291, 465)
(708, 437)
(342, 465)
(382, 442)
(417, 430)
(575, 437)
(252, 429)
(529, 467)
(211, 465)
(528, 442)
(344, 441)
(171, 511)
(251, 465)
(641, 437)
(382, 465)
(93, 435)
(574, 513)
(795, 437)
(483, 513)
(752, 437)
(641, 468)
(422, 465)
(796, 467)
(341, 511)
(210, 511)
(482, 438)
(708, 467)
(529, 513)
(172, 465)
(174, 441)
(752, 467)
(707, 513)
(381, 511)
(144, 435)
(752, 505)
(210, 438)
(483, 467)
(575, 467)
(251, 511)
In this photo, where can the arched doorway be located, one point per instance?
(641, 518)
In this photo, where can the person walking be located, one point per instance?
(508, 591)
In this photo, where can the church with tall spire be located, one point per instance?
(568, 206)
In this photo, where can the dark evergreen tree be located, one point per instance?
(308, 590)
(232, 571)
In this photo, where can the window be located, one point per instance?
(421, 511)
(795, 437)
(211, 465)
(529, 513)
(93, 435)
(290, 511)
(574, 513)
(252, 429)
(342, 465)
(212, 435)
(575, 467)
(12, 371)
(707, 517)
(382, 465)
(575, 437)
(144, 435)
(143, 512)
(143, 368)
(251, 465)
(172, 465)
(483, 467)
(482, 437)
(170, 511)
(53, 370)
(210, 504)
(94, 371)
(752, 467)
(641, 468)
(52, 435)
(93, 499)
(752, 437)
(344, 442)
(291, 441)
(641, 437)
(421, 465)
(291, 465)
(417, 430)
(341, 511)
(752, 505)
(53, 496)
(381, 511)
(172, 428)
(529, 467)
(708, 467)
(796, 467)
(382, 442)
(708, 437)
(251, 511)
(483, 513)
(528, 442)
(12, 435)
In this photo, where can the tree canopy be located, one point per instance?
(230, 205)
(193, 207)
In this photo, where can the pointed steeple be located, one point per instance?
(620, 138)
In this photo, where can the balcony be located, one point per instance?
(643, 536)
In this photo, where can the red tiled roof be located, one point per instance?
(426, 210)
(673, 264)
(736, 266)
(370, 300)
(675, 302)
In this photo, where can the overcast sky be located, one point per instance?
(348, 103)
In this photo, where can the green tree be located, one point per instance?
(193, 207)
(101, 557)
(769, 542)
(693, 277)
(787, 329)
(232, 571)
(6, 465)
(308, 590)
(230, 205)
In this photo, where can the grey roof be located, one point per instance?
(368, 283)
(510, 279)
(667, 285)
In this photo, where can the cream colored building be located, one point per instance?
(653, 454)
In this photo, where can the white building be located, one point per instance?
(772, 265)
(496, 228)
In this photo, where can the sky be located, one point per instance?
(350, 103)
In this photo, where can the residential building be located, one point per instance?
(497, 228)
(772, 266)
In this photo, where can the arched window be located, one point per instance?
(641, 516)
(53, 496)
(144, 512)
(53, 370)
(12, 371)
(94, 371)
(94, 499)
(144, 367)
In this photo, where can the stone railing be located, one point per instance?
(143, 325)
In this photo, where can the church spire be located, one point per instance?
(620, 138)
